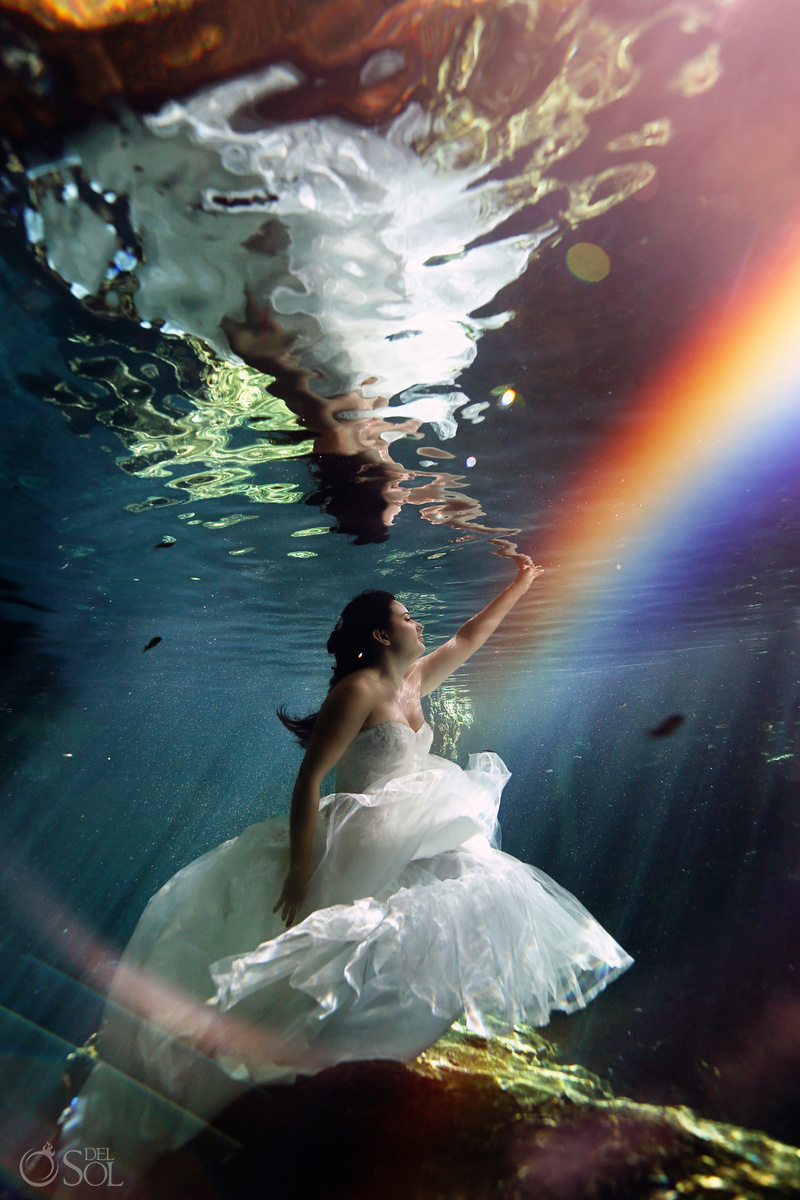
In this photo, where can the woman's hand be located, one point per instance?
(292, 896)
(528, 571)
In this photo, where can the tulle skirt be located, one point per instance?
(413, 917)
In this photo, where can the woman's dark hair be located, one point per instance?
(352, 646)
(351, 490)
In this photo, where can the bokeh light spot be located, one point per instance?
(508, 397)
(471, 461)
(588, 262)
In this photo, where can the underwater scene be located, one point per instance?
(489, 309)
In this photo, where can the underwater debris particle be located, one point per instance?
(244, 550)
(588, 262)
(302, 554)
(668, 726)
(153, 642)
(165, 543)
(315, 531)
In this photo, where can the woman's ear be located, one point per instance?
(381, 636)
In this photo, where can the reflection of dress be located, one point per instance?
(412, 917)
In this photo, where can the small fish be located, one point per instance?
(668, 726)
(153, 642)
(165, 545)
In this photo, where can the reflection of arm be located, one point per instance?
(342, 714)
(264, 345)
(261, 342)
(434, 668)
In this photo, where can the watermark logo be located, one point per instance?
(39, 1167)
(91, 1165)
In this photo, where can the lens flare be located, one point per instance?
(588, 262)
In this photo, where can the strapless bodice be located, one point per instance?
(390, 749)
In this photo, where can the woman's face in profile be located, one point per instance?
(394, 497)
(405, 631)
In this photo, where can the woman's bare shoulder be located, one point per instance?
(357, 686)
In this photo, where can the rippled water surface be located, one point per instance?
(281, 326)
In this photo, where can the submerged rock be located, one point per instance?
(470, 1118)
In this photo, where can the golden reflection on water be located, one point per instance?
(505, 84)
(96, 14)
(699, 74)
(652, 133)
(511, 92)
(164, 433)
(513, 82)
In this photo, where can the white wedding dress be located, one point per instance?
(413, 917)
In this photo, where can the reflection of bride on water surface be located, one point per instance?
(358, 482)
(402, 914)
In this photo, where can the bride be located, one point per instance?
(401, 912)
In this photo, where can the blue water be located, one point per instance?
(121, 765)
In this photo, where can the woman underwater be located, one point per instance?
(401, 912)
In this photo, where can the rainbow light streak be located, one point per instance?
(732, 397)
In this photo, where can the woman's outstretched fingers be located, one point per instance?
(528, 570)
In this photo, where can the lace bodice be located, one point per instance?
(390, 749)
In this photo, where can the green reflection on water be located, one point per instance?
(182, 408)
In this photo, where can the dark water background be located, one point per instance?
(119, 766)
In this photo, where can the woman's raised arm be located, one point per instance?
(434, 668)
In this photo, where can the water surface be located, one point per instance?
(261, 354)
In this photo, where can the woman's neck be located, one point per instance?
(391, 671)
